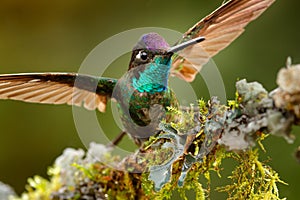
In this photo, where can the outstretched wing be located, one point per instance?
(58, 88)
(219, 28)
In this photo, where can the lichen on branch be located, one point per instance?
(186, 150)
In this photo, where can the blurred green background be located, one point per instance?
(37, 36)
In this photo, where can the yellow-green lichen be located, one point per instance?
(250, 179)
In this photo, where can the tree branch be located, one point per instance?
(194, 146)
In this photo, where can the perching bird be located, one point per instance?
(142, 94)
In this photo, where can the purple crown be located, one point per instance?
(152, 41)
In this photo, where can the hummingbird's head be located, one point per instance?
(149, 47)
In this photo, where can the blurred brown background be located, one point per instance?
(37, 36)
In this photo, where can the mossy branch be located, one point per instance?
(184, 151)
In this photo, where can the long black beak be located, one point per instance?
(185, 44)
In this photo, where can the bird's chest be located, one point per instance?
(141, 112)
(144, 106)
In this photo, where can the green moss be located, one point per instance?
(166, 153)
(252, 179)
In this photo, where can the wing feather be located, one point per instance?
(58, 88)
(219, 28)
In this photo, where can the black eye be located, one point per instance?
(142, 55)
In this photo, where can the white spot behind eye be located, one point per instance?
(142, 55)
(138, 56)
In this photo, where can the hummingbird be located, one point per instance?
(142, 93)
